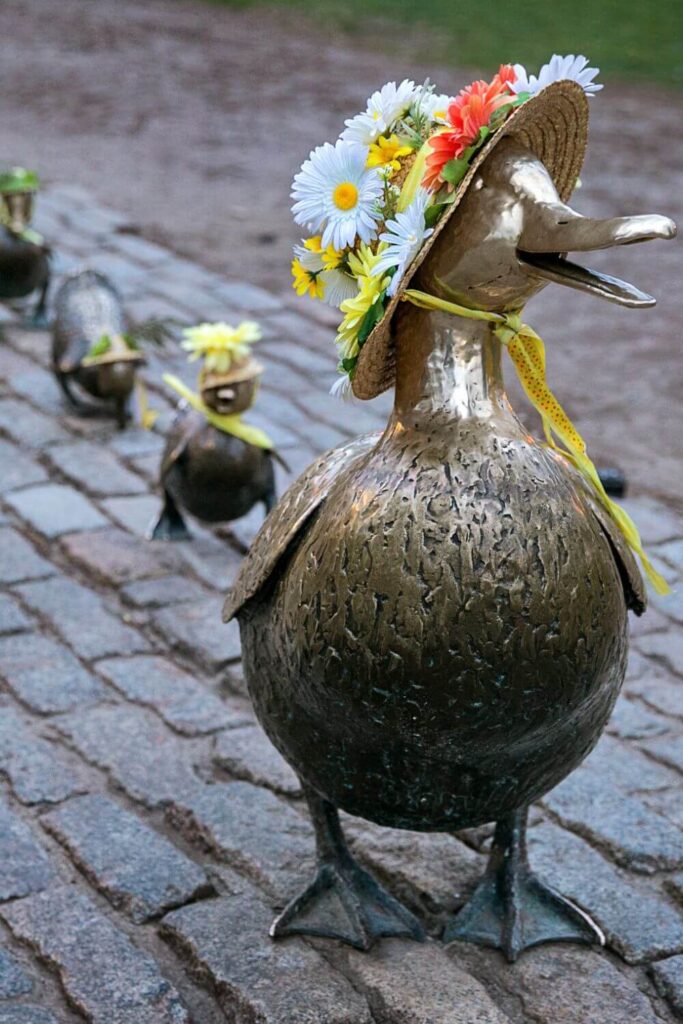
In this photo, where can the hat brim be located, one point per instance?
(244, 372)
(553, 124)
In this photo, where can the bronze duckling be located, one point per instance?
(215, 466)
(93, 345)
(434, 618)
(24, 257)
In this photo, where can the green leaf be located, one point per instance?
(101, 346)
(433, 213)
(371, 319)
(349, 364)
(455, 170)
(18, 179)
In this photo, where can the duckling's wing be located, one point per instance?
(631, 578)
(289, 517)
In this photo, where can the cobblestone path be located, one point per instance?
(147, 828)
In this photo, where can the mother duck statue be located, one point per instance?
(434, 618)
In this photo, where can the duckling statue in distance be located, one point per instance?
(92, 343)
(24, 257)
(214, 465)
(434, 618)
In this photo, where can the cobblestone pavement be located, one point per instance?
(147, 828)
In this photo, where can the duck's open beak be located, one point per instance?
(551, 230)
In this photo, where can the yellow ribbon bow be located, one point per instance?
(229, 424)
(527, 352)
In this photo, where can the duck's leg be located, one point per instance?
(343, 901)
(511, 909)
(169, 524)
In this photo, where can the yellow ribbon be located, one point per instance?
(229, 424)
(527, 352)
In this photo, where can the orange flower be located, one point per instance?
(471, 110)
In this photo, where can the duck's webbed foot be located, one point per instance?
(169, 525)
(511, 909)
(343, 901)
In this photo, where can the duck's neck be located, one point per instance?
(448, 369)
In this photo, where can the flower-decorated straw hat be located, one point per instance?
(226, 352)
(114, 348)
(380, 196)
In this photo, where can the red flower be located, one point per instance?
(471, 110)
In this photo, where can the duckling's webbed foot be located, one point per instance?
(169, 525)
(511, 909)
(343, 901)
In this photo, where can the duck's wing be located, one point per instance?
(282, 526)
(635, 591)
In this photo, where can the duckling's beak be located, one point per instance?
(551, 230)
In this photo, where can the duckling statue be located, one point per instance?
(92, 344)
(214, 465)
(434, 618)
(24, 257)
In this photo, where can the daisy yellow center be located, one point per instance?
(345, 196)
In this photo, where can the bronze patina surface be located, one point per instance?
(434, 620)
(213, 475)
(24, 263)
(88, 306)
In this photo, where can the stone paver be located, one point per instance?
(13, 981)
(136, 868)
(13, 619)
(186, 705)
(639, 924)
(17, 468)
(120, 643)
(139, 753)
(258, 980)
(252, 830)
(637, 837)
(45, 675)
(96, 469)
(195, 628)
(81, 618)
(248, 754)
(24, 865)
(19, 560)
(106, 977)
(38, 771)
(668, 977)
(26, 1014)
(53, 509)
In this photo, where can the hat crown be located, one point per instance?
(474, 262)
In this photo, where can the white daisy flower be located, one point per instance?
(310, 259)
(404, 237)
(337, 195)
(433, 105)
(383, 108)
(557, 69)
(338, 286)
(341, 389)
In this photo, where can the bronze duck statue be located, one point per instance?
(92, 344)
(434, 618)
(24, 257)
(214, 466)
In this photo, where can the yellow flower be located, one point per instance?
(220, 344)
(386, 152)
(314, 244)
(305, 282)
(363, 262)
(369, 290)
(331, 257)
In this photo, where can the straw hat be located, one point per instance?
(553, 124)
(119, 351)
(238, 373)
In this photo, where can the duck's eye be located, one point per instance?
(478, 183)
(226, 394)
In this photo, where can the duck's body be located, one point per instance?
(447, 637)
(87, 307)
(24, 269)
(214, 476)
